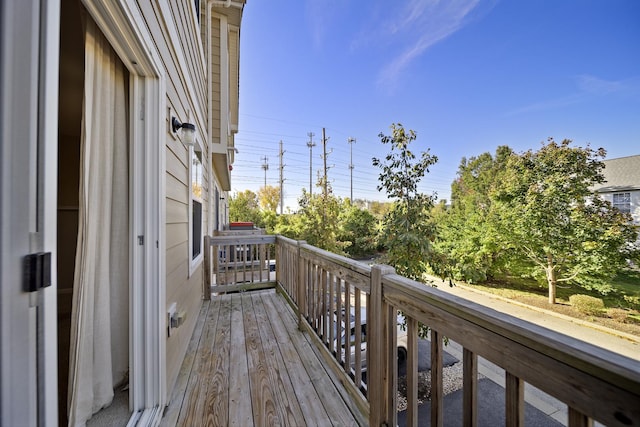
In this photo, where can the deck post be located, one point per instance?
(378, 365)
(206, 291)
(301, 286)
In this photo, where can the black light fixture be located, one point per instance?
(188, 131)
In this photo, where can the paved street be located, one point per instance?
(615, 341)
(619, 342)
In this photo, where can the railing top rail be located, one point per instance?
(283, 239)
(342, 261)
(250, 239)
(596, 361)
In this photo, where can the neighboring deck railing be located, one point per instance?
(330, 293)
(238, 261)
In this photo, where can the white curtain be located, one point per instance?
(100, 313)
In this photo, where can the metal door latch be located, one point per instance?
(36, 273)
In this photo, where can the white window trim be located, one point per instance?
(194, 263)
(618, 205)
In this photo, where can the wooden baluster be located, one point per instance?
(301, 289)
(514, 390)
(437, 405)
(578, 419)
(358, 343)
(340, 320)
(333, 318)
(470, 388)
(347, 327)
(391, 322)
(412, 372)
(206, 291)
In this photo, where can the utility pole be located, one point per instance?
(281, 179)
(324, 157)
(351, 140)
(265, 168)
(311, 144)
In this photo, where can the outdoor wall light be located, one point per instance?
(188, 131)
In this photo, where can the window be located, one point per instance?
(196, 204)
(197, 4)
(622, 201)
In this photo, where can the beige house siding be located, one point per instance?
(234, 75)
(622, 175)
(215, 80)
(190, 53)
(192, 62)
(635, 202)
(176, 32)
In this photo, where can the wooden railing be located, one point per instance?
(333, 295)
(238, 261)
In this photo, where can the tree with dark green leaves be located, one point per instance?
(468, 246)
(357, 231)
(317, 220)
(407, 230)
(550, 216)
(244, 206)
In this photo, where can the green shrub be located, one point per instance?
(586, 304)
(633, 301)
(618, 314)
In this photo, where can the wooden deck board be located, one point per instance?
(262, 398)
(197, 385)
(172, 411)
(330, 402)
(307, 396)
(253, 367)
(216, 408)
(240, 411)
(286, 401)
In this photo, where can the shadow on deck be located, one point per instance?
(248, 364)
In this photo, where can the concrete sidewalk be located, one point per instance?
(612, 340)
(540, 402)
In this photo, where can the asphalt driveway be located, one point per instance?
(491, 409)
(424, 358)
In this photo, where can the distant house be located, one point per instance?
(622, 185)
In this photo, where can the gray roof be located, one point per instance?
(622, 174)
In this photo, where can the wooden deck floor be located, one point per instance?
(248, 364)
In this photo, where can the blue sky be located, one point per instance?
(466, 75)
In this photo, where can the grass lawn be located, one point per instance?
(622, 305)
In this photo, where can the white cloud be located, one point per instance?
(597, 86)
(416, 27)
(588, 87)
(321, 15)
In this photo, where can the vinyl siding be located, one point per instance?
(176, 33)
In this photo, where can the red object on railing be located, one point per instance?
(241, 225)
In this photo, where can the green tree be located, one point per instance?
(357, 231)
(317, 220)
(549, 215)
(269, 198)
(407, 231)
(244, 207)
(468, 246)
